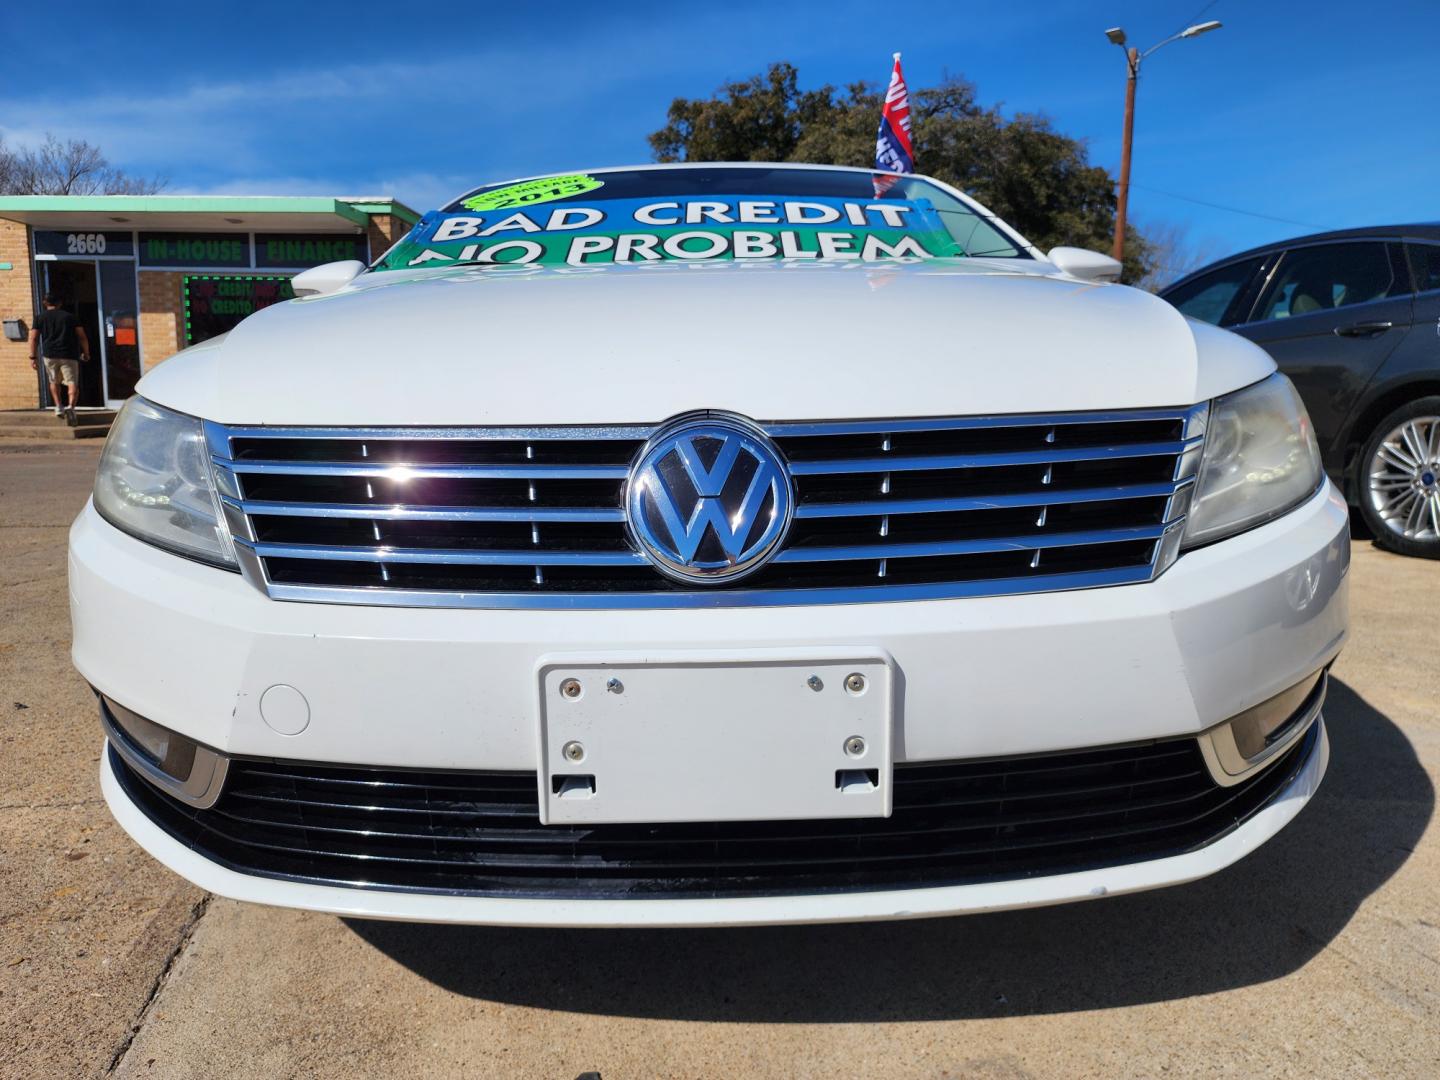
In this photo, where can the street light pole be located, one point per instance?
(1133, 57)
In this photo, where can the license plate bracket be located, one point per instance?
(750, 736)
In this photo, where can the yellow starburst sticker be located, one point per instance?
(517, 196)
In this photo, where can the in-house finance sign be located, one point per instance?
(583, 232)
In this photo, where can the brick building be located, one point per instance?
(150, 274)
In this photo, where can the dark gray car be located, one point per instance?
(1353, 317)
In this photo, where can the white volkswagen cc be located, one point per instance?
(709, 544)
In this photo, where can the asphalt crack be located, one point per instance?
(187, 931)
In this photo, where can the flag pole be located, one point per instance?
(894, 154)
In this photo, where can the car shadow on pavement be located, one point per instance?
(1258, 920)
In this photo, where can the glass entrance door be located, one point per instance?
(76, 288)
(120, 329)
(101, 293)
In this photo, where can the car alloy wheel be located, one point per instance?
(1402, 481)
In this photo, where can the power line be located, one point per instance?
(1196, 17)
(1177, 269)
(1170, 274)
(1227, 209)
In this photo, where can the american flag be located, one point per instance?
(892, 143)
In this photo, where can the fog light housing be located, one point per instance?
(176, 764)
(1248, 741)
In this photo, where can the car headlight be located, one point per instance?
(155, 483)
(1260, 460)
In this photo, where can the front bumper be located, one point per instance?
(846, 906)
(1227, 627)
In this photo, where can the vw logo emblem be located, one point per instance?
(709, 499)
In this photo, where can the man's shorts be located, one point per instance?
(62, 370)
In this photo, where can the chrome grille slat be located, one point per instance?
(885, 590)
(606, 432)
(1193, 416)
(402, 470)
(928, 462)
(1052, 497)
(458, 556)
(415, 512)
(967, 547)
(900, 509)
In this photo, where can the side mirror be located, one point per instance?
(1087, 265)
(326, 278)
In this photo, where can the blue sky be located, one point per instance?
(1303, 114)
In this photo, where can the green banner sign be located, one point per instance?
(295, 251)
(685, 229)
(194, 249)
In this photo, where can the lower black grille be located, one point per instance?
(478, 833)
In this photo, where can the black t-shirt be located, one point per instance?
(57, 334)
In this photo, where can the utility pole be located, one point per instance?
(1133, 57)
(1122, 202)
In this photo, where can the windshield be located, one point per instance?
(699, 214)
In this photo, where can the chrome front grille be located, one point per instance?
(884, 510)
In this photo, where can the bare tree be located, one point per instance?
(72, 167)
(1173, 254)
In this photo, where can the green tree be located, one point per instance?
(1039, 180)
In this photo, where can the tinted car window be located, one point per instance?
(1210, 297)
(1425, 265)
(1330, 276)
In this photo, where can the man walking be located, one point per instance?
(60, 337)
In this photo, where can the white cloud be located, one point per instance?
(235, 124)
(224, 124)
(421, 191)
(404, 127)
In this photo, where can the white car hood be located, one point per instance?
(638, 344)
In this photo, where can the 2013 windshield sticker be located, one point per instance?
(531, 192)
(689, 229)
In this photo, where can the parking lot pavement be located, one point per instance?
(1318, 956)
(87, 923)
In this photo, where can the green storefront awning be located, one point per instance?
(217, 213)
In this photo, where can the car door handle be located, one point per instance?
(1363, 329)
